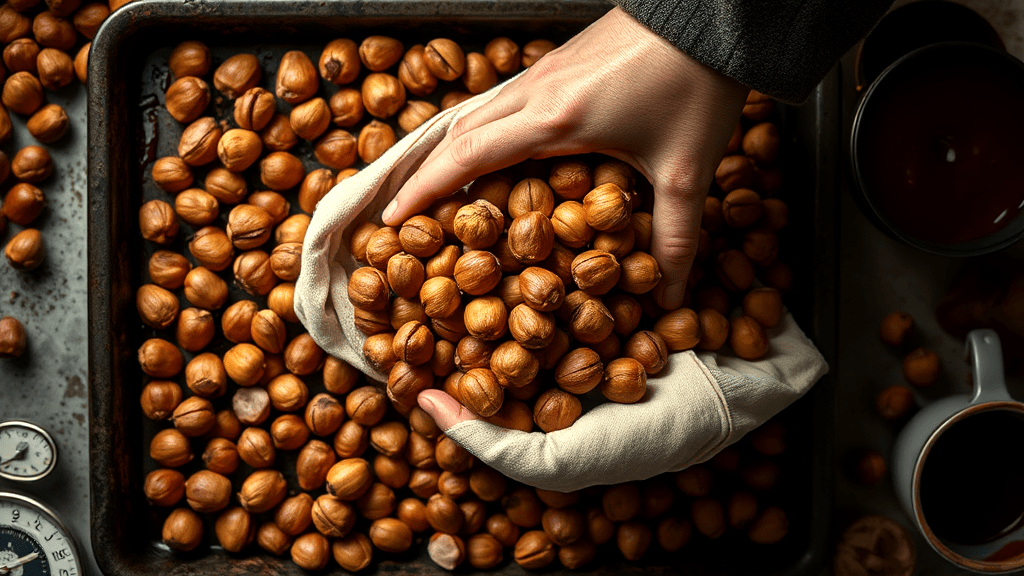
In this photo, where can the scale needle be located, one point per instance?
(19, 562)
(22, 448)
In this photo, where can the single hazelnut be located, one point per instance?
(33, 164)
(503, 54)
(477, 272)
(280, 171)
(187, 98)
(625, 381)
(735, 172)
(360, 240)
(227, 425)
(339, 62)
(379, 352)
(159, 397)
(509, 292)
(183, 530)
(13, 341)
(595, 272)
(894, 329)
(535, 49)
(775, 214)
(443, 514)
(421, 236)
(311, 551)
(486, 317)
(253, 273)
(440, 297)
(480, 75)
(235, 529)
(478, 225)
(372, 322)
(164, 487)
(405, 310)
(346, 107)
(353, 552)
(255, 447)
(221, 456)
(310, 119)
(446, 550)
(374, 139)
(160, 359)
(640, 273)
(531, 195)
(207, 491)
(406, 381)
(205, 376)
(312, 464)
(390, 535)
(199, 140)
(254, 109)
(607, 208)
(531, 237)
(415, 74)
(742, 208)
(14, 25)
(170, 448)
(483, 552)
(444, 210)
(680, 329)
(415, 113)
(303, 356)
(237, 74)
(616, 172)
(262, 490)
(332, 517)
(236, 322)
(758, 106)
(761, 143)
(286, 261)
(747, 338)
(480, 392)
(563, 525)
(556, 410)
(56, 70)
(895, 402)
(383, 95)
(578, 554)
(513, 365)
(224, 185)
(570, 225)
(244, 363)
(157, 307)
(278, 135)
(649, 349)
(531, 328)
(157, 221)
(452, 328)
(579, 371)
(495, 188)
(734, 270)
(413, 343)
(714, 329)
(571, 179)
(368, 289)
(618, 244)
(238, 149)
(444, 58)
(189, 58)
(272, 539)
(921, 367)
(633, 539)
(589, 320)
(764, 305)
(24, 202)
(626, 312)
(472, 352)
(53, 29)
(337, 149)
(211, 247)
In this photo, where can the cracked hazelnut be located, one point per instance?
(332, 517)
(579, 371)
(249, 226)
(595, 272)
(569, 223)
(747, 338)
(531, 195)
(413, 343)
(414, 72)
(324, 414)
(406, 381)
(556, 410)
(742, 208)
(649, 349)
(189, 58)
(472, 352)
(311, 466)
(237, 74)
(199, 140)
(366, 405)
(277, 135)
(531, 328)
(187, 98)
(444, 59)
(415, 113)
(193, 417)
(531, 237)
(480, 392)
(164, 487)
(238, 149)
(374, 140)
(254, 109)
(625, 381)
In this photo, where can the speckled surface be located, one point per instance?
(47, 385)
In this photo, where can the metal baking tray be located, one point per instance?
(129, 129)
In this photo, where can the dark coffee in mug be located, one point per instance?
(972, 482)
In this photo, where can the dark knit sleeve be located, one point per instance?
(780, 47)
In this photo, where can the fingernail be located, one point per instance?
(390, 210)
(427, 404)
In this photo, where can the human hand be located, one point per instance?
(699, 404)
(616, 88)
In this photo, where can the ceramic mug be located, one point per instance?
(958, 468)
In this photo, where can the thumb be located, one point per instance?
(445, 410)
(674, 239)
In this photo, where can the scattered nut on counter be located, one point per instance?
(537, 274)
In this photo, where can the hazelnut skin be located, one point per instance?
(921, 367)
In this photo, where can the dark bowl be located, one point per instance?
(935, 149)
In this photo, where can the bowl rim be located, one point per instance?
(1006, 236)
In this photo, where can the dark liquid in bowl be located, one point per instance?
(942, 149)
(972, 484)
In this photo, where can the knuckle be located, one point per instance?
(464, 152)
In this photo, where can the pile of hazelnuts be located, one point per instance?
(286, 447)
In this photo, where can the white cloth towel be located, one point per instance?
(701, 403)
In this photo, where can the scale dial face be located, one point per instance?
(33, 542)
(27, 452)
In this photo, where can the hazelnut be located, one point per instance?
(531, 195)
(368, 289)
(531, 237)
(579, 371)
(204, 289)
(535, 49)
(413, 343)
(311, 551)
(640, 273)
(224, 185)
(600, 529)
(758, 106)
(480, 392)
(244, 363)
(324, 414)
(477, 272)
(673, 533)
(405, 310)
(372, 322)
(389, 438)
(337, 149)
(531, 328)
(444, 210)
(221, 456)
(494, 187)
(734, 271)
(33, 164)
(747, 338)
(262, 490)
(415, 113)
(761, 247)
(486, 317)
(238, 149)
(227, 425)
(421, 236)
(502, 529)
(310, 119)
(514, 365)
(649, 349)
(157, 307)
(160, 359)
(53, 29)
(380, 52)
(379, 352)
(440, 297)
(349, 479)
(621, 502)
(626, 311)
(49, 124)
(563, 525)
(20, 56)
(609, 348)
(280, 171)
(374, 139)
(13, 25)
(254, 109)
(164, 487)
(170, 448)
(189, 58)
(556, 410)
(895, 402)
(415, 74)
(761, 143)
(268, 331)
(157, 220)
(483, 552)
(577, 554)
(503, 54)
(351, 441)
(633, 539)
(406, 381)
(255, 447)
(775, 214)
(22, 93)
(742, 208)
(616, 172)
(205, 376)
(360, 240)
(618, 244)
(443, 514)
(24, 202)
(278, 135)
(297, 78)
(236, 322)
(332, 517)
(168, 269)
(595, 272)
(339, 62)
(509, 292)
(921, 367)
(444, 59)
(589, 320)
(237, 74)
(272, 539)
(535, 549)
(473, 352)
(770, 526)
(312, 464)
(159, 397)
(452, 328)
(714, 329)
(480, 75)
(183, 530)
(12, 338)
(378, 502)
(199, 140)
(764, 305)
(478, 225)
(249, 226)
(735, 172)
(570, 179)
(625, 381)
(383, 95)
(288, 393)
(446, 550)
(894, 329)
(207, 491)
(286, 261)
(607, 208)
(570, 225)
(235, 529)
(187, 98)
(390, 535)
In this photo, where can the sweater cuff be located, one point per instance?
(780, 48)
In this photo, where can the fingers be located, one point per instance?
(507, 102)
(458, 161)
(444, 409)
(675, 234)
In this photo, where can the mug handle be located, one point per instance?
(985, 354)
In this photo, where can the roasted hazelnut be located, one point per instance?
(742, 208)
(205, 376)
(311, 551)
(618, 244)
(405, 275)
(579, 371)
(227, 425)
(415, 74)
(224, 185)
(164, 487)
(535, 50)
(236, 322)
(640, 273)
(254, 109)
(272, 539)
(237, 74)
(360, 240)
(406, 381)
(480, 75)
(595, 272)
(921, 367)
(187, 98)
(473, 352)
(24, 202)
(531, 328)
(324, 414)
(895, 402)
(383, 95)
(332, 517)
(312, 464)
(607, 208)
(513, 365)
(761, 247)
(310, 119)
(189, 58)
(414, 343)
(649, 349)
(349, 479)
(204, 289)
(351, 441)
(372, 322)
(626, 311)
(339, 62)
(680, 329)
(502, 529)
(280, 171)
(621, 502)
(238, 149)
(268, 331)
(277, 135)
(477, 272)
(48, 124)
(221, 456)
(444, 58)
(734, 172)
(609, 348)
(183, 530)
(673, 533)
(415, 113)
(758, 106)
(275, 367)
(381, 245)
(379, 352)
(775, 214)
(199, 140)
(570, 179)
(445, 209)
(486, 317)
(159, 397)
(452, 328)
(160, 359)
(421, 236)
(249, 226)
(531, 237)
(616, 172)
(714, 329)
(747, 338)
(478, 225)
(503, 54)
(255, 447)
(440, 297)
(262, 490)
(337, 149)
(286, 261)
(764, 305)
(374, 139)
(570, 225)
(444, 514)
(483, 552)
(5, 135)
(494, 188)
(404, 310)
(288, 393)
(589, 320)
(633, 539)
(563, 525)
(378, 502)
(297, 78)
(157, 220)
(207, 491)
(390, 535)
(556, 410)
(22, 93)
(33, 164)
(170, 448)
(761, 143)
(894, 329)
(211, 247)
(509, 292)
(157, 307)
(13, 25)
(625, 381)
(244, 363)
(389, 438)
(531, 195)
(368, 289)
(523, 507)
(235, 529)
(451, 456)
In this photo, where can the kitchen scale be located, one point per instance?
(33, 539)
